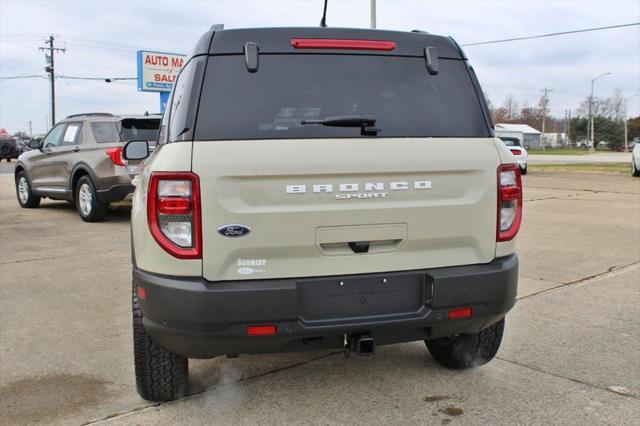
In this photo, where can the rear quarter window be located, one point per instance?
(105, 132)
(398, 91)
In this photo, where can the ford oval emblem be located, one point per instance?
(234, 230)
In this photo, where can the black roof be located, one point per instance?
(278, 40)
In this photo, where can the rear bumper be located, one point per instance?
(201, 319)
(116, 193)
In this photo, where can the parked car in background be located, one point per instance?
(635, 160)
(517, 151)
(583, 144)
(9, 148)
(80, 160)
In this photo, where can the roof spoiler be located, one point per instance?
(91, 114)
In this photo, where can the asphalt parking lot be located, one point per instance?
(569, 356)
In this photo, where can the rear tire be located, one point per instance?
(523, 171)
(160, 375)
(26, 199)
(467, 350)
(634, 169)
(89, 206)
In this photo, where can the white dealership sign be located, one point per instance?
(157, 71)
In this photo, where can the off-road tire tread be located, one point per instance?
(468, 350)
(33, 201)
(160, 375)
(98, 209)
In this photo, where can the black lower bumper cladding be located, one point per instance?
(202, 319)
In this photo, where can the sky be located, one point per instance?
(101, 39)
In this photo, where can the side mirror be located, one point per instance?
(34, 143)
(136, 150)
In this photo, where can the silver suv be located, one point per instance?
(80, 160)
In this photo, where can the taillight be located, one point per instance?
(342, 44)
(509, 202)
(173, 213)
(516, 151)
(115, 154)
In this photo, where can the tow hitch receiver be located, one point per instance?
(363, 345)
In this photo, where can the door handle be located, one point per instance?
(46, 150)
(76, 149)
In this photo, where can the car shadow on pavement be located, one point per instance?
(117, 214)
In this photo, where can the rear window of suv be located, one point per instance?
(126, 130)
(398, 91)
(139, 129)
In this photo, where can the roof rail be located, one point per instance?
(91, 114)
(419, 31)
(217, 27)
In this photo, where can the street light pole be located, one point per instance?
(592, 148)
(373, 13)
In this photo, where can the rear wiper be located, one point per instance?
(364, 122)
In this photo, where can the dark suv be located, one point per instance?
(80, 160)
(9, 148)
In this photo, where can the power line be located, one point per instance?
(107, 79)
(97, 46)
(69, 77)
(15, 77)
(551, 34)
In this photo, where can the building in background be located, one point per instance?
(527, 135)
(554, 140)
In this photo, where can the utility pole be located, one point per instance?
(373, 13)
(565, 128)
(50, 51)
(568, 127)
(545, 101)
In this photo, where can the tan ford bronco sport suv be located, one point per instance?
(316, 189)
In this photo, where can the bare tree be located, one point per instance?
(611, 107)
(510, 106)
(617, 105)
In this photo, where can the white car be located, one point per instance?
(518, 151)
(635, 160)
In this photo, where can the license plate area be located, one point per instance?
(357, 298)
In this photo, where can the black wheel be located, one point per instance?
(523, 171)
(26, 199)
(160, 375)
(89, 206)
(467, 350)
(5, 150)
(634, 169)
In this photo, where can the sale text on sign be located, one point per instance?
(157, 71)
